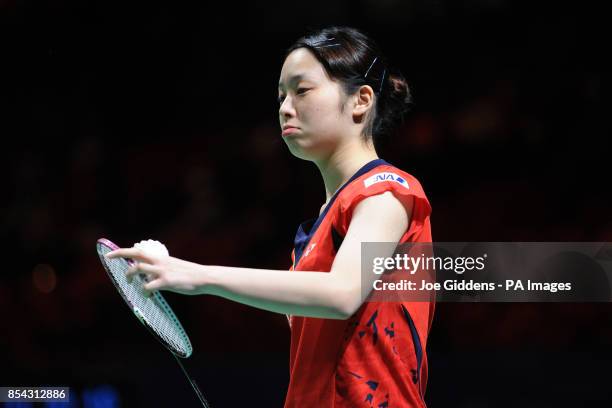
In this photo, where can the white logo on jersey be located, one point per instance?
(309, 249)
(378, 177)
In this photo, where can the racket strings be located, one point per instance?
(154, 310)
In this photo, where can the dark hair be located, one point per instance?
(353, 59)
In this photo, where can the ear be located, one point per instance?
(363, 101)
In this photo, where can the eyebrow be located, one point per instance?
(294, 78)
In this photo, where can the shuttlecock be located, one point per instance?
(152, 247)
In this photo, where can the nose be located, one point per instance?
(286, 109)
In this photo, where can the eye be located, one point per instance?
(300, 91)
(280, 99)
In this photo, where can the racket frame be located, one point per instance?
(135, 310)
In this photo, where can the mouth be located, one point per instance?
(287, 130)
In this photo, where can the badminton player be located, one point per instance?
(337, 95)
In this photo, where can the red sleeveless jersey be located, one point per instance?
(377, 357)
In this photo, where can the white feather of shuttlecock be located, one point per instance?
(152, 247)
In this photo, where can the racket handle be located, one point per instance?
(205, 403)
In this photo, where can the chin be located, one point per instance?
(299, 152)
(309, 148)
(304, 150)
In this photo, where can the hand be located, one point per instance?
(164, 272)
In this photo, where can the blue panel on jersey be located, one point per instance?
(308, 228)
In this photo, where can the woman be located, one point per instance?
(337, 95)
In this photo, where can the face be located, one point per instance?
(310, 105)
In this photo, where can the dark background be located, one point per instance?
(138, 120)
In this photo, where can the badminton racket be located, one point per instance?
(153, 312)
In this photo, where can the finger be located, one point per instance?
(152, 286)
(133, 253)
(141, 267)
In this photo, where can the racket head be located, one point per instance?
(153, 312)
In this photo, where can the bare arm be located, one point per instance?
(335, 294)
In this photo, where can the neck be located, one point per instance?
(343, 163)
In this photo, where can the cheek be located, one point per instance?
(323, 111)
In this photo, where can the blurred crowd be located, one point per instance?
(105, 139)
